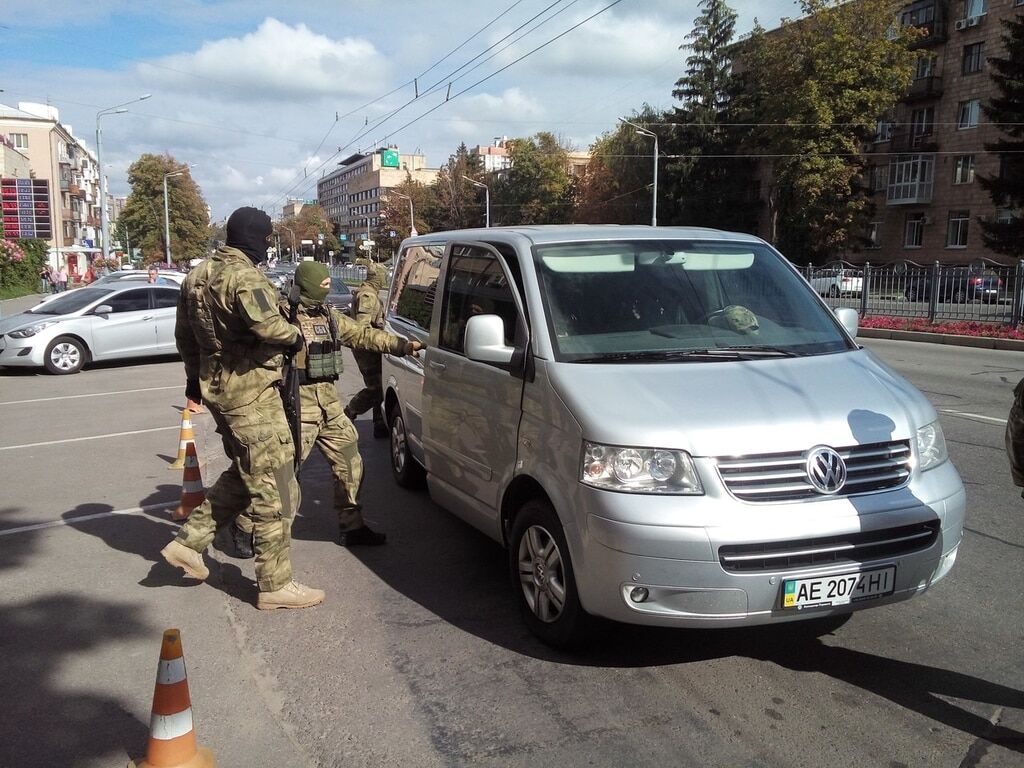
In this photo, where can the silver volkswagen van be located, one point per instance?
(663, 426)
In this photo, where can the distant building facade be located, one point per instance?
(291, 208)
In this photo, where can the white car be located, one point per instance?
(105, 322)
(835, 282)
(166, 277)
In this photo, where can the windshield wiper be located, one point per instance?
(717, 354)
(758, 351)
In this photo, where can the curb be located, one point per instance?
(979, 342)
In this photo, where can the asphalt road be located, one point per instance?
(418, 658)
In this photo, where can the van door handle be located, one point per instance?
(437, 365)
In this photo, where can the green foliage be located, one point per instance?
(456, 204)
(817, 87)
(538, 189)
(20, 263)
(143, 215)
(394, 213)
(1007, 109)
(311, 223)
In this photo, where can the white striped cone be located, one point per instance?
(192, 491)
(185, 436)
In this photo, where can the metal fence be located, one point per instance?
(349, 273)
(980, 292)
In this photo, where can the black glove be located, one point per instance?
(193, 392)
(296, 346)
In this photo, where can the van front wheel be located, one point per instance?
(543, 577)
(407, 471)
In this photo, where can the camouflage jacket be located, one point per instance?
(322, 397)
(229, 331)
(1015, 435)
(366, 306)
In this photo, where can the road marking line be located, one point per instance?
(91, 437)
(966, 415)
(94, 394)
(80, 518)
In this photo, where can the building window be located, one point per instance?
(19, 140)
(913, 230)
(874, 234)
(976, 7)
(879, 178)
(910, 179)
(973, 59)
(922, 121)
(925, 66)
(883, 130)
(1006, 215)
(917, 17)
(967, 114)
(956, 229)
(963, 169)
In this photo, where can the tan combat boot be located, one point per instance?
(190, 561)
(293, 595)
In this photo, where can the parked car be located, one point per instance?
(340, 296)
(956, 284)
(118, 277)
(106, 322)
(663, 426)
(835, 282)
(281, 279)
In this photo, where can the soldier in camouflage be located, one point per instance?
(326, 331)
(1015, 436)
(369, 311)
(232, 337)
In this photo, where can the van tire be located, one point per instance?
(407, 471)
(541, 569)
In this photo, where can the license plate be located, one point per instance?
(842, 589)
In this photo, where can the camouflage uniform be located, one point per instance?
(324, 424)
(369, 311)
(231, 337)
(1015, 436)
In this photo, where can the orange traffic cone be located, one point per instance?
(185, 437)
(172, 736)
(192, 492)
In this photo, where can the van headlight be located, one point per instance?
(931, 446)
(640, 470)
(32, 330)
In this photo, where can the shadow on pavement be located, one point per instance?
(44, 723)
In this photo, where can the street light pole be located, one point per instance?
(654, 200)
(115, 110)
(167, 216)
(487, 197)
(412, 220)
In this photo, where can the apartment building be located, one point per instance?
(351, 194)
(493, 158)
(923, 166)
(65, 180)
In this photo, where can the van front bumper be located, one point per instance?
(673, 575)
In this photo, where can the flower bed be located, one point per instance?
(955, 328)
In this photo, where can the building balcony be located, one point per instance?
(909, 141)
(74, 190)
(935, 32)
(924, 88)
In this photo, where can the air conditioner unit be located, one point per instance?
(961, 24)
(973, 21)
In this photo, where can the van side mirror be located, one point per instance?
(848, 317)
(485, 340)
(103, 309)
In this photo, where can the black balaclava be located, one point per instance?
(247, 231)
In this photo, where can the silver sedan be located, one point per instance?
(108, 322)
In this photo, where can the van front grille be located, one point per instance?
(774, 477)
(828, 550)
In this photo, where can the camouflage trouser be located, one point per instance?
(1015, 436)
(260, 479)
(338, 441)
(372, 394)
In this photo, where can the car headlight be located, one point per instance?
(639, 470)
(32, 330)
(931, 446)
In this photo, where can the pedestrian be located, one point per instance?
(325, 332)
(232, 339)
(369, 311)
(154, 277)
(1015, 436)
(45, 284)
(89, 276)
(62, 278)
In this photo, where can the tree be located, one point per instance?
(457, 204)
(817, 87)
(142, 220)
(616, 186)
(310, 223)
(709, 178)
(394, 213)
(1006, 234)
(538, 188)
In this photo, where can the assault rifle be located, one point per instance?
(290, 388)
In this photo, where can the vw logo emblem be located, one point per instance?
(826, 470)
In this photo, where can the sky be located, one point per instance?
(266, 97)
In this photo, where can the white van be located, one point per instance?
(664, 426)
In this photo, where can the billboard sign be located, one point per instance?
(26, 208)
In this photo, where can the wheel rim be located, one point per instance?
(542, 574)
(398, 454)
(65, 356)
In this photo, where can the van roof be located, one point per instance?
(557, 233)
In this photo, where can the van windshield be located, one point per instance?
(675, 300)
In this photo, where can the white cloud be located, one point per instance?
(277, 61)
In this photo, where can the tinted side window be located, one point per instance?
(415, 284)
(130, 301)
(475, 285)
(165, 297)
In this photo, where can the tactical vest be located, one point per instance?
(322, 349)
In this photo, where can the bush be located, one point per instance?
(20, 262)
(954, 328)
